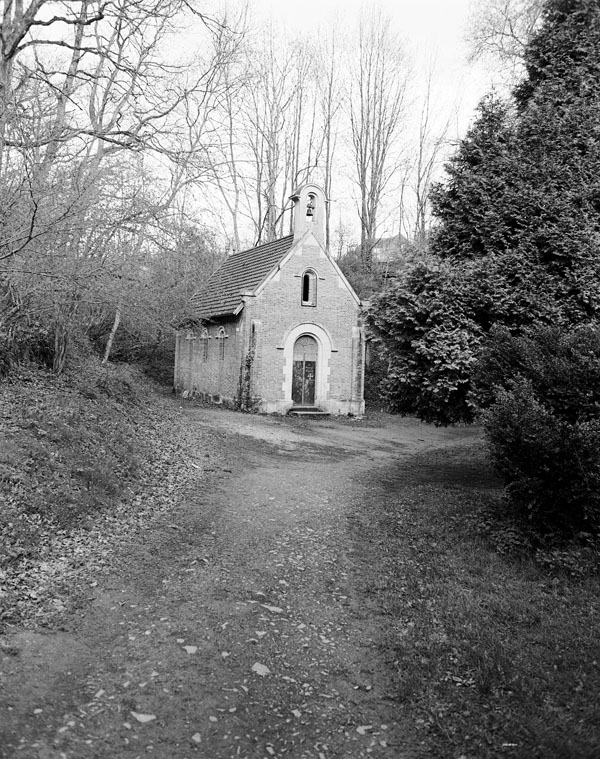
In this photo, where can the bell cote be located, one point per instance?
(309, 212)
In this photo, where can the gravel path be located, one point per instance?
(237, 622)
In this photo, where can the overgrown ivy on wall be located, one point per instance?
(245, 401)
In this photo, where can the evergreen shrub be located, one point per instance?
(542, 423)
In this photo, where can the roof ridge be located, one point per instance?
(260, 247)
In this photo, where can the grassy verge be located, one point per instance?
(494, 649)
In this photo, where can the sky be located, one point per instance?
(434, 31)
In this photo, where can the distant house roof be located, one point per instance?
(241, 272)
(389, 248)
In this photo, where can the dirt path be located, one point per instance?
(239, 626)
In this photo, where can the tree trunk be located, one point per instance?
(113, 332)
(61, 339)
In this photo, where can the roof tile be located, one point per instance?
(243, 271)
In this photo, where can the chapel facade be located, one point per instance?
(278, 327)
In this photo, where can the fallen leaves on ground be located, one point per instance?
(79, 456)
(261, 669)
(143, 718)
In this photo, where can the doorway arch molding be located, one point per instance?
(325, 349)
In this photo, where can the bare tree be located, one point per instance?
(272, 98)
(499, 30)
(275, 128)
(268, 138)
(330, 105)
(224, 152)
(430, 143)
(377, 100)
(86, 96)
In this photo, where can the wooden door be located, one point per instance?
(305, 371)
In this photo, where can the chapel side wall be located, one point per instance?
(278, 309)
(208, 374)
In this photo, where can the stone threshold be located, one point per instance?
(307, 411)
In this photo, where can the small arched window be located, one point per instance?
(204, 344)
(309, 288)
(221, 338)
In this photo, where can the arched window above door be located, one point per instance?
(305, 348)
(309, 288)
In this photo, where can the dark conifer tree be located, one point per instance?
(518, 230)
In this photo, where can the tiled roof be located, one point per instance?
(239, 273)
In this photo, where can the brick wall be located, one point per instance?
(267, 327)
(279, 309)
(207, 364)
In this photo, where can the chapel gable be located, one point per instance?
(280, 326)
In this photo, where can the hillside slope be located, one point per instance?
(75, 454)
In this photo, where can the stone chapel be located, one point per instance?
(277, 328)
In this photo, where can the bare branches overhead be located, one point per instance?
(499, 31)
(377, 107)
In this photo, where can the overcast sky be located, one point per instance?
(434, 30)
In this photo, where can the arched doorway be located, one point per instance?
(306, 351)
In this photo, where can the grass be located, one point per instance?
(494, 646)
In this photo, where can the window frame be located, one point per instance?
(221, 336)
(310, 277)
